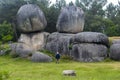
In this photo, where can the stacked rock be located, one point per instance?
(71, 20)
(89, 46)
(115, 50)
(31, 23)
(71, 41)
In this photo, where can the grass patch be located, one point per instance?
(21, 69)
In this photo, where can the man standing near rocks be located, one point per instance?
(57, 56)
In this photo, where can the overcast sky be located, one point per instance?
(113, 1)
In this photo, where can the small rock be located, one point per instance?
(40, 57)
(69, 73)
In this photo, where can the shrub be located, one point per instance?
(4, 75)
(6, 32)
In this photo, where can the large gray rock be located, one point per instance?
(71, 20)
(36, 40)
(21, 50)
(40, 57)
(90, 37)
(59, 42)
(86, 52)
(30, 19)
(115, 52)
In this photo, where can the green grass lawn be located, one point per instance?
(20, 69)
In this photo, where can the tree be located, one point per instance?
(94, 13)
(60, 3)
(111, 11)
(8, 9)
(113, 14)
(6, 32)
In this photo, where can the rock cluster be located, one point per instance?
(115, 50)
(81, 46)
(69, 40)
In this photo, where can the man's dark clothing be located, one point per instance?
(57, 56)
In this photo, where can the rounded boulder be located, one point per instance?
(40, 57)
(90, 37)
(30, 18)
(70, 20)
(115, 52)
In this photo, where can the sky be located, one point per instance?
(113, 1)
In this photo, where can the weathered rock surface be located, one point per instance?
(69, 73)
(90, 37)
(116, 41)
(21, 50)
(59, 42)
(36, 40)
(115, 52)
(71, 20)
(40, 57)
(2, 52)
(30, 19)
(86, 52)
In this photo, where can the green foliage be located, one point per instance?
(51, 54)
(4, 75)
(6, 32)
(108, 60)
(70, 46)
(14, 55)
(99, 20)
(9, 8)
